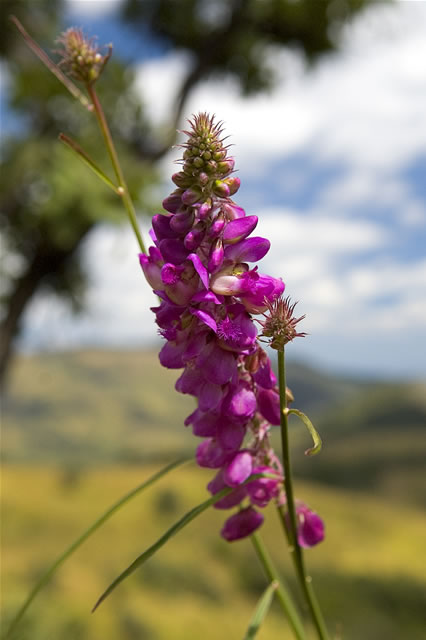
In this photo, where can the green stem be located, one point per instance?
(282, 593)
(123, 189)
(290, 527)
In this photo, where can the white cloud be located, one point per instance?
(92, 7)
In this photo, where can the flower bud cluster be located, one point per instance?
(81, 58)
(200, 269)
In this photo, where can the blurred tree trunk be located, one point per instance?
(46, 260)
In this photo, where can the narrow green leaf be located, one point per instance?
(75, 545)
(180, 524)
(261, 610)
(82, 155)
(314, 433)
(53, 68)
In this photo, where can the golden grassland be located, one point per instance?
(369, 572)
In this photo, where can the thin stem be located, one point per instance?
(123, 189)
(290, 527)
(283, 594)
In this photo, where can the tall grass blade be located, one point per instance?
(82, 155)
(77, 543)
(180, 524)
(261, 610)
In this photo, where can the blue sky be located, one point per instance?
(333, 162)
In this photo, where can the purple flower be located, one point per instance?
(268, 401)
(242, 524)
(210, 454)
(310, 526)
(232, 499)
(238, 469)
(262, 490)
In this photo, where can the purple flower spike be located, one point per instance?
(311, 528)
(199, 269)
(241, 524)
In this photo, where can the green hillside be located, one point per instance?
(369, 571)
(82, 428)
(89, 407)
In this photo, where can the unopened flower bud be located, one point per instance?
(194, 237)
(242, 524)
(217, 226)
(191, 195)
(225, 166)
(221, 189)
(81, 57)
(161, 227)
(174, 201)
(216, 256)
(204, 209)
(233, 185)
(233, 211)
(182, 222)
(181, 179)
(280, 323)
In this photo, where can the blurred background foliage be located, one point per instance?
(80, 429)
(44, 218)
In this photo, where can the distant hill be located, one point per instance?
(87, 407)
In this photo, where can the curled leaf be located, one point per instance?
(312, 451)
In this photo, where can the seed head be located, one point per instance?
(279, 325)
(80, 55)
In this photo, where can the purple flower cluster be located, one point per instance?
(199, 269)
